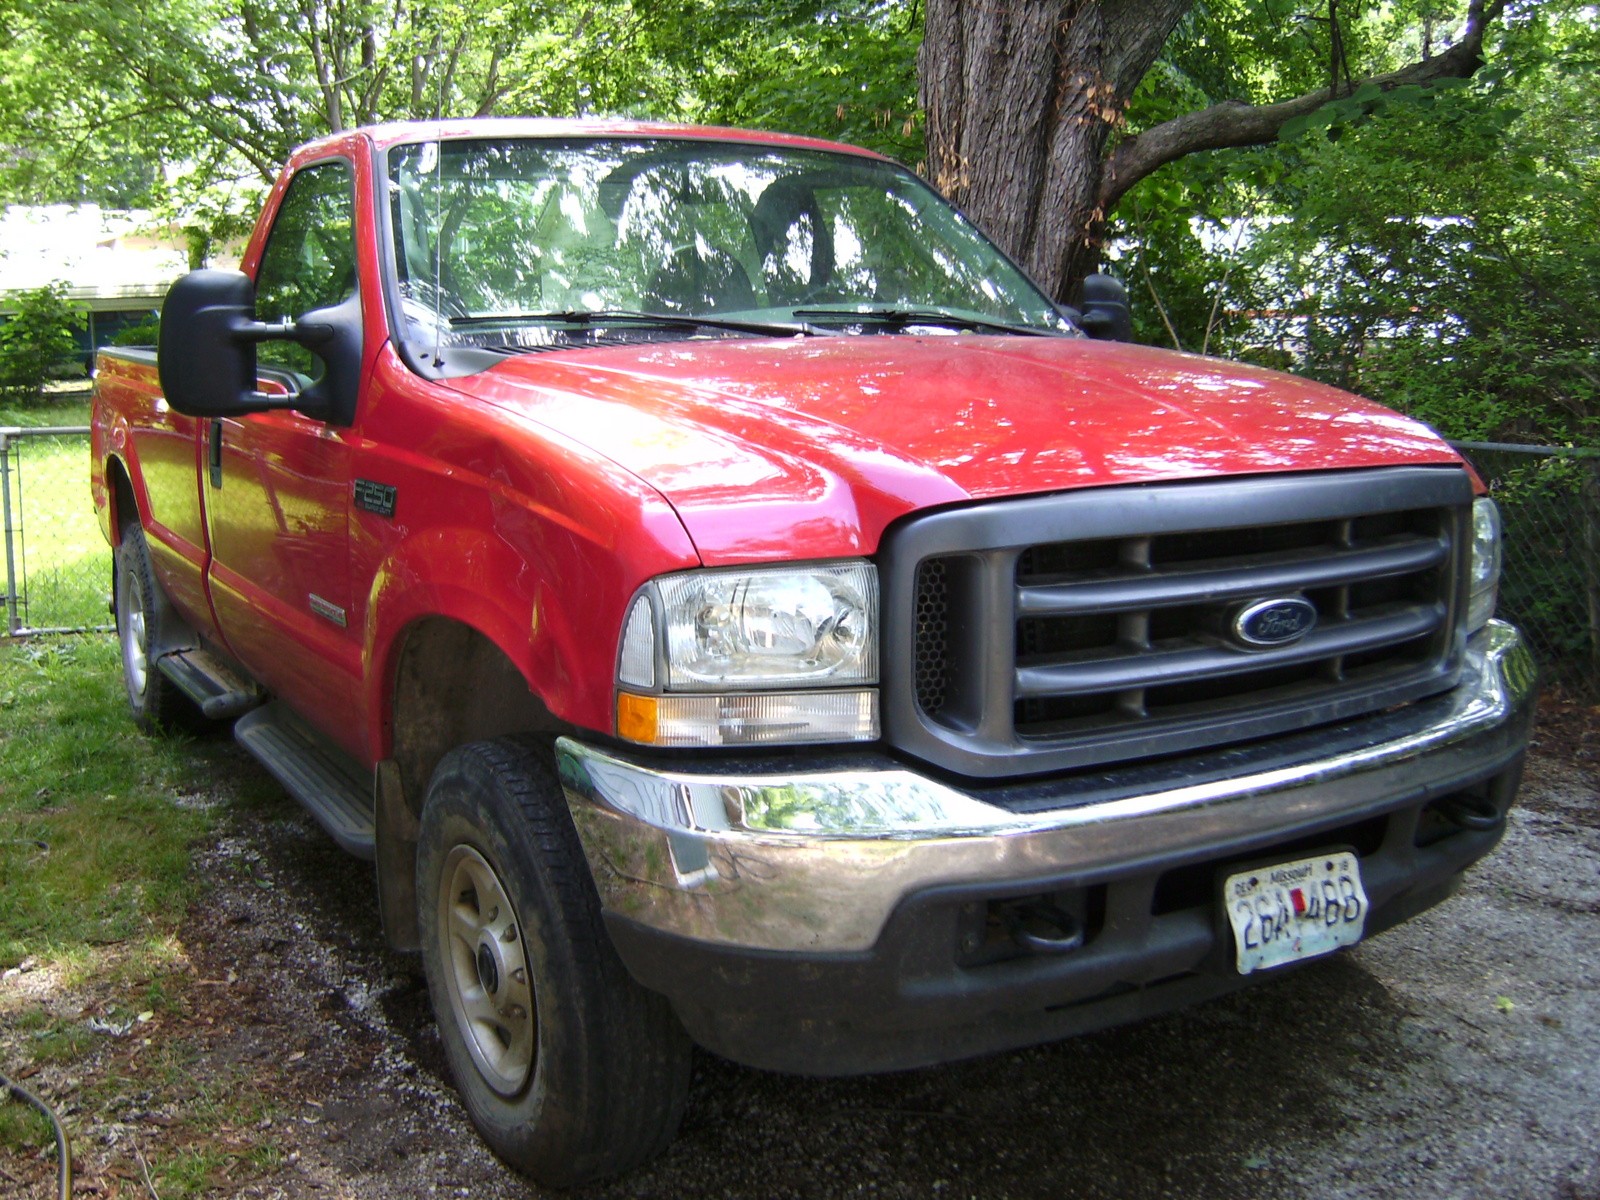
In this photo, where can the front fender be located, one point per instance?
(553, 605)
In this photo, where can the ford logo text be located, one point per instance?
(1275, 622)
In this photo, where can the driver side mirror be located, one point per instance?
(207, 350)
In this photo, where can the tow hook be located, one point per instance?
(1042, 927)
(1474, 813)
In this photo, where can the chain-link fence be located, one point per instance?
(1549, 501)
(57, 563)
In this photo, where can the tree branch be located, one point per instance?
(492, 91)
(1234, 123)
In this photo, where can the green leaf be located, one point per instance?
(1294, 127)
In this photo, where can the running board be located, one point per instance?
(331, 784)
(218, 691)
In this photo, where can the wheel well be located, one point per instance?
(452, 685)
(124, 508)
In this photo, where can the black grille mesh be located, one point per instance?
(932, 635)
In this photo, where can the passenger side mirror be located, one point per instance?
(207, 350)
(1105, 309)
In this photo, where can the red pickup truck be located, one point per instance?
(731, 604)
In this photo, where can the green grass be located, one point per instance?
(71, 408)
(92, 850)
(190, 1172)
(23, 1126)
(226, 1123)
(62, 1042)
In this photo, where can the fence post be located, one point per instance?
(12, 622)
(1589, 491)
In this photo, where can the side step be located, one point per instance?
(331, 784)
(219, 691)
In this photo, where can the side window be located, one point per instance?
(310, 259)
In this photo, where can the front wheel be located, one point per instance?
(569, 1069)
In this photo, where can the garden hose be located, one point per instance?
(63, 1148)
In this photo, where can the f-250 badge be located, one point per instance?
(375, 497)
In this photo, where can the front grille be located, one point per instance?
(1099, 626)
(1142, 634)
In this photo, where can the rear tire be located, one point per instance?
(569, 1069)
(143, 614)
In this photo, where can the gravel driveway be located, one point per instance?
(1456, 1056)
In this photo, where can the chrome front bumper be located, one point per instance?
(816, 861)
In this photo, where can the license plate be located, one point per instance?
(1295, 910)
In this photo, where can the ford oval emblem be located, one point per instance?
(1275, 622)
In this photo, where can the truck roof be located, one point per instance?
(398, 132)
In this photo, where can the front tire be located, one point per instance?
(143, 611)
(569, 1069)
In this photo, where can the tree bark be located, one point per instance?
(1023, 99)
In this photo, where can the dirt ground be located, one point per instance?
(1458, 1056)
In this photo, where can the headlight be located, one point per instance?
(786, 654)
(1485, 564)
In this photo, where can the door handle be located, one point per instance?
(215, 448)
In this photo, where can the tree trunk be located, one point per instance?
(1022, 99)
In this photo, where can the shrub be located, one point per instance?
(145, 333)
(35, 340)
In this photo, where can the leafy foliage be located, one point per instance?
(1463, 295)
(1550, 507)
(190, 106)
(35, 340)
(1430, 247)
(145, 333)
(844, 70)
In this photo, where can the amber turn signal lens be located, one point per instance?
(636, 718)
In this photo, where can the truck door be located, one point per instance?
(277, 484)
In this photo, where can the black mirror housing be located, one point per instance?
(207, 350)
(206, 370)
(1105, 309)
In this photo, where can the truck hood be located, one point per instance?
(802, 448)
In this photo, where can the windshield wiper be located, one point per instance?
(617, 316)
(901, 317)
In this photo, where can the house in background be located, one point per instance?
(115, 268)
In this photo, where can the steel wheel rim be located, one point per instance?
(486, 971)
(135, 634)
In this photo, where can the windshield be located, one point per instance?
(523, 244)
